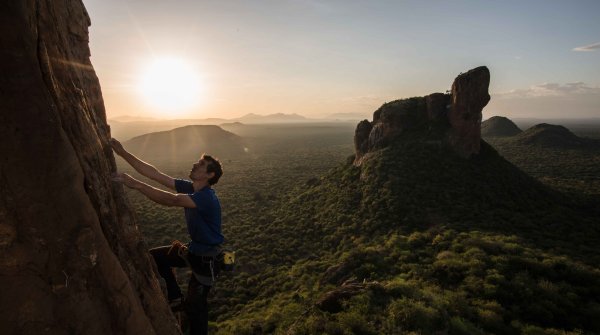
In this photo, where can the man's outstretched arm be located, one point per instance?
(142, 167)
(157, 195)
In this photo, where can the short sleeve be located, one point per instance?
(184, 186)
(201, 199)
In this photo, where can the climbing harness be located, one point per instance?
(215, 261)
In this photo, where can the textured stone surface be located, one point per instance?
(389, 120)
(456, 115)
(469, 96)
(72, 260)
(361, 137)
(437, 106)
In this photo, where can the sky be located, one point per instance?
(320, 58)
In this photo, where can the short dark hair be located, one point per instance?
(214, 165)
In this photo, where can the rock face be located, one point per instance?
(72, 260)
(499, 126)
(469, 96)
(457, 115)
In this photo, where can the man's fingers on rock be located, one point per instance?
(115, 144)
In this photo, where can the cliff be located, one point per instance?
(454, 119)
(72, 260)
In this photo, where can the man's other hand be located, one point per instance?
(125, 179)
(117, 146)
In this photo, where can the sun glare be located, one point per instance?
(171, 85)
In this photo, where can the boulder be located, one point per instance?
(332, 301)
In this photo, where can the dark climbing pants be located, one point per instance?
(196, 307)
(196, 304)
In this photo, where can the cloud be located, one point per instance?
(550, 90)
(547, 100)
(590, 47)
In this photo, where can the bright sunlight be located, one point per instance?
(171, 85)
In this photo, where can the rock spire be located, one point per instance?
(456, 114)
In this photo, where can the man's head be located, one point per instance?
(214, 167)
(207, 168)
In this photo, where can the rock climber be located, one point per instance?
(203, 217)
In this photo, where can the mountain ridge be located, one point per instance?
(187, 142)
(248, 118)
(548, 135)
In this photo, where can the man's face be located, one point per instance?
(198, 171)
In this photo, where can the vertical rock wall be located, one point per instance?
(469, 96)
(72, 260)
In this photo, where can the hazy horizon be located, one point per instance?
(317, 58)
(332, 119)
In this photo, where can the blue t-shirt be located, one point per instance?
(204, 221)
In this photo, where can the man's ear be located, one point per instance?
(210, 175)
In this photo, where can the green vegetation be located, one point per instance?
(429, 242)
(559, 158)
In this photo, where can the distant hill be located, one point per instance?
(126, 130)
(187, 143)
(126, 127)
(248, 118)
(270, 118)
(499, 126)
(548, 135)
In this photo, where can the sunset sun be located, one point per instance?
(171, 85)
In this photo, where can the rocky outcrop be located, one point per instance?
(361, 137)
(469, 96)
(72, 260)
(457, 115)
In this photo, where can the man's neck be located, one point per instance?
(198, 185)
